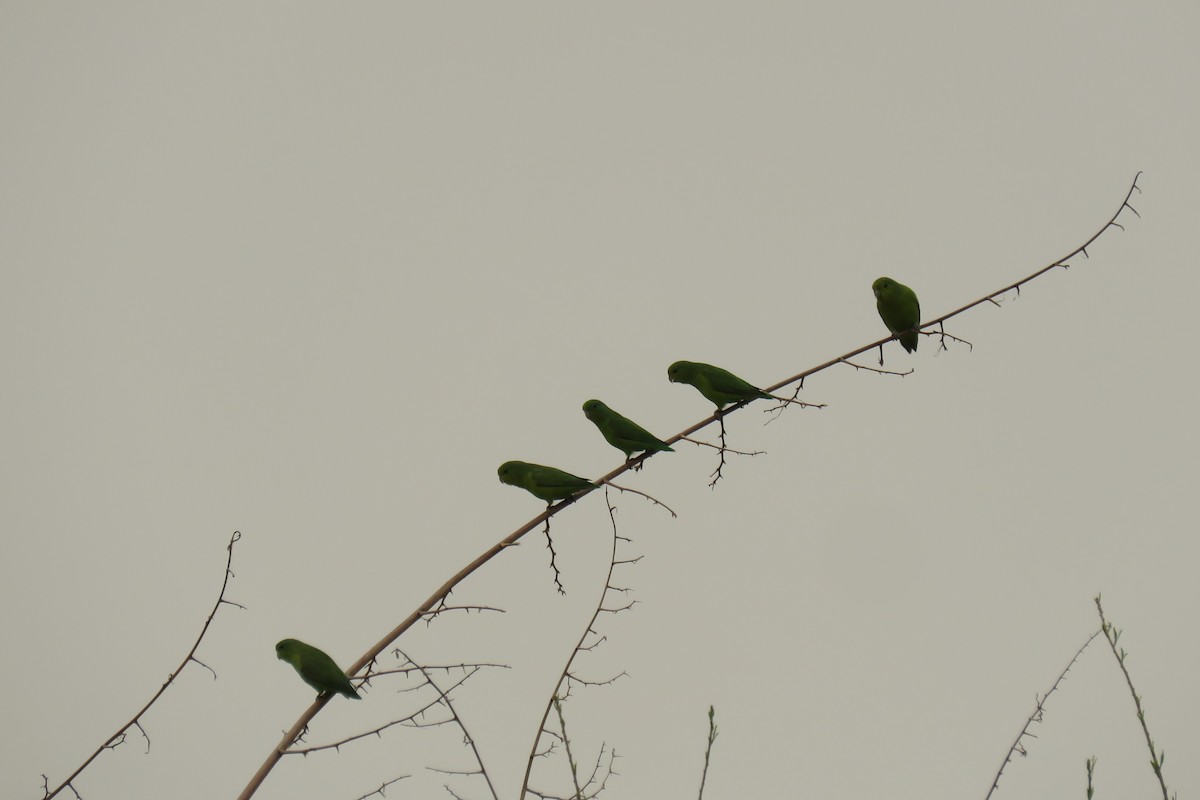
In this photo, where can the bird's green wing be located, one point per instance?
(899, 309)
(315, 667)
(625, 434)
(552, 478)
(730, 385)
(620, 431)
(323, 674)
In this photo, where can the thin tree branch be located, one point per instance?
(462, 725)
(564, 676)
(566, 740)
(1059, 263)
(117, 738)
(508, 541)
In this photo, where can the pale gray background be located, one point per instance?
(313, 271)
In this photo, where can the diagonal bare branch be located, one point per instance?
(412, 720)
(1111, 635)
(462, 725)
(1036, 716)
(117, 738)
(511, 539)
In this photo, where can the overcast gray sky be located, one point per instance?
(312, 271)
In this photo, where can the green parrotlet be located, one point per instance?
(316, 668)
(544, 483)
(622, 432)
(899, 309)
(718, 385)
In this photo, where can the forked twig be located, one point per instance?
(410, 721)
(703, 443)
(462, 725)
(565, 677)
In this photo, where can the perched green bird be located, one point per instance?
(544, 483)
(316, 668)
(899, 309)
(622, 432)
(720, 386)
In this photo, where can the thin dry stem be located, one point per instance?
(1036, 716)
(566, 740)
(553, 559)
(383, 786)
(1111, 635)
(866, 368)
(712, 737)
(651, 498)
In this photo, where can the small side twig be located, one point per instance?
(553, 559)
(462, 667)
(652, 499)
(784, 402)
(865, 368)
(413, 720)
(383, 786)
(433, 612)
